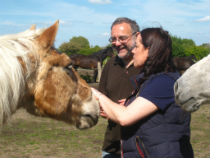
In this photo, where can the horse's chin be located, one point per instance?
(89, 115)
(190, 105)
(87, 121)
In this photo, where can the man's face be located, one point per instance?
(122, 40)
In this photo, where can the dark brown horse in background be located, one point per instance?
(91, 61)
(183, 63)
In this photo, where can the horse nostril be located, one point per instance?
(175, 87)
(88, 115)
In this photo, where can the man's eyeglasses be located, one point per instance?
(121, 39)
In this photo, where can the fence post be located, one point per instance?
(99, 72)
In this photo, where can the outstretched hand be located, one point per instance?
(102, 113)
(97, 94)
(122, 101)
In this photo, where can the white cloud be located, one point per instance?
(62, 22)
(10, 23)
(106, 34)
(100, 1)
(204, 19)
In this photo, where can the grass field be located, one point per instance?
(29, 136)
(200, 132)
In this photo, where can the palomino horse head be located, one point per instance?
(33, 72)
(192, 88)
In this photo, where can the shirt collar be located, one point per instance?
(136, 79)
(119, 61)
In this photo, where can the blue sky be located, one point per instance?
(92, 18)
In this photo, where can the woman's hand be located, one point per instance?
(122, 101)
(97, 94)
(102, 113)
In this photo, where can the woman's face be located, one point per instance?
(140, 53)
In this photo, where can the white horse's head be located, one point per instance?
(192, 89)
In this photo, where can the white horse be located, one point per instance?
(192, 89)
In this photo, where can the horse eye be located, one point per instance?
(70, 66)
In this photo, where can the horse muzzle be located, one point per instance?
(90, 114)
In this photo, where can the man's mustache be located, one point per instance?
(120, 47)
(124, 47)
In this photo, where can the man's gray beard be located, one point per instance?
(127, 56)
(129, 53)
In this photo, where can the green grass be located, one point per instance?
(30, 136)
(200, 132)
(42, 137)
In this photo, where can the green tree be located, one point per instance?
(182, 47)
(177, 47)
(80, 42)
(89, 50)
(206, 45)
(199, 51)
(65, 48)
(74, 45)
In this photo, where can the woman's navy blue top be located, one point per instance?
(159, 90)
(164, 134)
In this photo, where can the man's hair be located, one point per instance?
(134, 26)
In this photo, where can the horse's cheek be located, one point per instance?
(51, 97)
(84, 91)
(44, 100)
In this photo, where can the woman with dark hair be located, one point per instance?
(152, 125)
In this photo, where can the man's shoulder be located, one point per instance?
(110, 62)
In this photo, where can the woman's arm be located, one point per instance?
(137, 110)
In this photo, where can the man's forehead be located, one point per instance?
(123, 28)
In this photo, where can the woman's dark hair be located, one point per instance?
(160, 51)
(134, 26)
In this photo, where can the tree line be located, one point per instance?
(79, 45)
(180, 47)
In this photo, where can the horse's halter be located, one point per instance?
(68, 68)
(69, 71)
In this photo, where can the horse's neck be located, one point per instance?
(96, 56)
(107, 52)
(103, 56)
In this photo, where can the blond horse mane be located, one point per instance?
(12, 78)
(33, 74)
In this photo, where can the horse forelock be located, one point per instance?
(14, 57)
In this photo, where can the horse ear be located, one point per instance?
(33, 27)
(47, 38)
